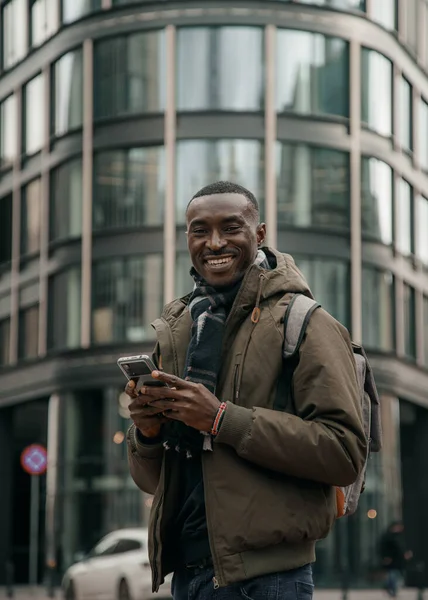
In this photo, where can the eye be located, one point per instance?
(233, 229)
(199, 231)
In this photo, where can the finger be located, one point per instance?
(130, 389)
(160, 393)
(165, 404)
(139, 402)
(172, 380)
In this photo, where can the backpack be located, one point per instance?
(296, 320)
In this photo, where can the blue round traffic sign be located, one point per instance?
(34, 459)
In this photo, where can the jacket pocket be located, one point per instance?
(236, 381)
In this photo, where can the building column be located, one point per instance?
(6, 474)
(51, 514)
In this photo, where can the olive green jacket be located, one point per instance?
(269, 480)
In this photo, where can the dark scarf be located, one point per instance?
(209, 309)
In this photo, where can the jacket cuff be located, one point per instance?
(152, 448)
(236, 426)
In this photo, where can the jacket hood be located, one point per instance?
(283, 277)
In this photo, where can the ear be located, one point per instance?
(261, 234)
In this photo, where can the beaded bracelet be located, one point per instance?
(218, 418)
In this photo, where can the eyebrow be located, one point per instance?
(230, 219)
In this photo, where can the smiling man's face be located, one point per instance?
(223, 237)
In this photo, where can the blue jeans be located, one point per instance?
(393, 582)
(190, 584)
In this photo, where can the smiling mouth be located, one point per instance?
(212, 262)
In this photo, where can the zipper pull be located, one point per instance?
(215, 582)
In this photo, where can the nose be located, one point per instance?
(216, 242)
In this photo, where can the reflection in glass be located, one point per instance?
(201, 162)
(8, 131)
(376, 92)
(44, 20)
(4, 341)
(66, 201)
(411, 21)
(376, 200)
(28, 341)
(34, 115)
(422, 227)
(423, 134)
(384, 13)
(183, 281)
(129, 188)
(15, 27)
(64, 309)
(378, 309)
(312, 73)
(130, 75)
(329, 282)
(218, 59)
(313, 186)
(75, 9)
(338, 4)
(30, 218)
(127, 296)
(409, 321)
(68, 92)
(406, 115)
(405, 218)
(5, 229)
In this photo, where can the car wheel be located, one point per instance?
(70, 593)
(124, 593)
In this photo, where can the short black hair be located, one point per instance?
(227, 187)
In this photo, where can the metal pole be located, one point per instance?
(34, 529)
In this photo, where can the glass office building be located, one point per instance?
(112, 114)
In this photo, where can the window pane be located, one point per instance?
(384, 13)
(426, 330)
(8, 131)
(213, 57)
(422, 225)
(405, 218)
(313, 186)
(183, 281)
(376, 92)
(75, 9)
(15, 26)
(202, 162)
(44, 20)
(129, 188)
(30, 217)
(378, 309)
(409, 322)
(130, 75)
(68, 92)
(5, 229)
(329, 282)
(405, 115)
(338, 4)
(64, 309)
(411, 32)
(66, 201)
(423, 134)
(4, 341)
(376, 200)
(312, 73)
(28, 332)
(34, 115)
(127, 296)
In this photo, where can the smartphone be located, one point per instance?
(139, 368)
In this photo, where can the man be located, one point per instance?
(394, 556)
(241, 491)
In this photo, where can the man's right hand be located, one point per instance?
(146, 418)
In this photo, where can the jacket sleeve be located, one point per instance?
(324, 441)
(145, 459)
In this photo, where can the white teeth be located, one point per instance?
(219, 261)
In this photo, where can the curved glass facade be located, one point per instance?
(221, 53)
(311, 74)
(107, 131)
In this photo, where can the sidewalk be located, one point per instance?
(27, 593)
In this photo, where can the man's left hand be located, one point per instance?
(191, 403)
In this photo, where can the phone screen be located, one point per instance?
(134, 370)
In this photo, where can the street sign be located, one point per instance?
(34, 459)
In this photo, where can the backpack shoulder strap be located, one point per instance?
(296, 320)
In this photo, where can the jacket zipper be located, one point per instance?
(156, 546)
(235, 383)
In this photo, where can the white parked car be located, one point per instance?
(117, 568)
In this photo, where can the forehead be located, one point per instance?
(218, 207)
